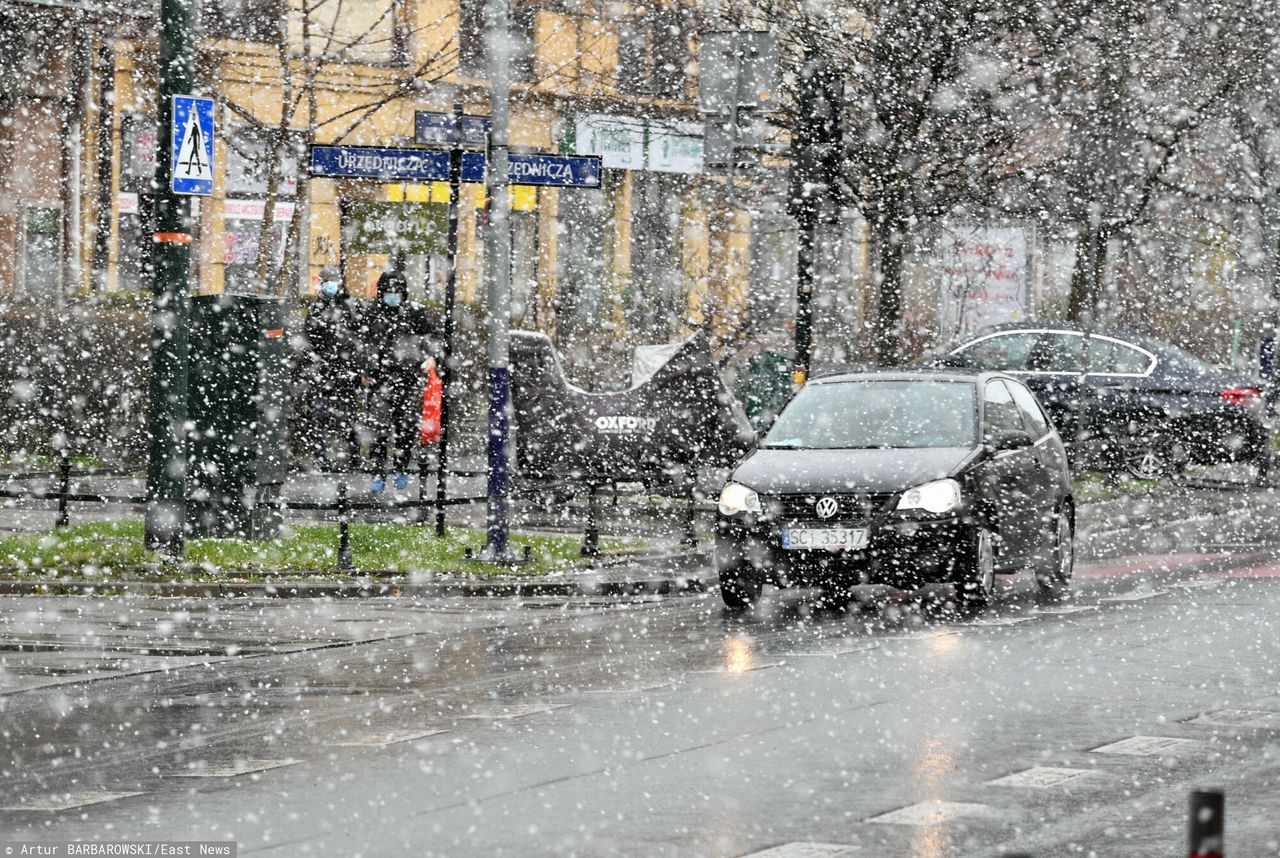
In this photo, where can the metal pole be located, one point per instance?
(450, 296)
(64, 487)
(167, 409)
(498, 271)
(344, 528)
(1206, 824)
(804, 208)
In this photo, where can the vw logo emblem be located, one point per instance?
(826, 507)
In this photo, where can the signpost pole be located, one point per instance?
(167, 403)
(450, 295)
(498, 271)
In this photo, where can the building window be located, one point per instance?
(249, 20)
(653, 52)
(473, 38)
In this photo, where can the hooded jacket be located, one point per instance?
(395, 338)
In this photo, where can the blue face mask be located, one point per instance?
(331, 287)
(391, 299)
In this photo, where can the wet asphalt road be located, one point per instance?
(660, 727)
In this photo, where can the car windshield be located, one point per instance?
(862, 414)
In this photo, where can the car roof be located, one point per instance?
(1072, 327)
(969, 376)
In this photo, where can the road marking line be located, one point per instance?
(504, 713)
(1133, 596)
(1039, 777)
(69, 800)
(1140, 746)
(381, 740)
(801, 850)
(723, 670)
(930, 813)
(1196, 583)
(1001, 621)
(1066, 609)
(832, 652)
(630, 689)
(232, 770)
(1233, 717)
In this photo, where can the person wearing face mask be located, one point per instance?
(333, 336)
(396, 336)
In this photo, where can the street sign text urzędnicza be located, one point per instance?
(424, 165)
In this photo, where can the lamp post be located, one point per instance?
(167, 404)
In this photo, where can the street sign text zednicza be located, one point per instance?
(424, 165)
(191, 155)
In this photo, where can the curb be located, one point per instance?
(596, 582)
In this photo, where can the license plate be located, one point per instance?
(847, 538)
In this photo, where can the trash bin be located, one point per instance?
(237, 408)
(768, 386)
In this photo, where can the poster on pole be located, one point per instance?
(985, 278)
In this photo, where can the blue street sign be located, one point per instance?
(191, 150)
(437, 129)
(425, 165)
(373, 162)
(563, 171)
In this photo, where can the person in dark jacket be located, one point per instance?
(333, 334)
(395, 333)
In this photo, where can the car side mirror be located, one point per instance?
(950, 361)
(765, 423)
(1008, 439)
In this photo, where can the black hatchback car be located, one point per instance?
(899, 478)
(1128, 402)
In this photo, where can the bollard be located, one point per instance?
(1207, 807)
(64, 487)
(591, 539)
(690, 537)
(344, 535)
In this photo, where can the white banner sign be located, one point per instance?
(673, 147)
(254, 210)
(984, 278)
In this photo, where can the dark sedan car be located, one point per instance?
(1125, 401)
(900, 478)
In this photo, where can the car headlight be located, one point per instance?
(937, 496)
(735, 498)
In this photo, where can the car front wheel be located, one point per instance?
(739, 591)
(975, 579)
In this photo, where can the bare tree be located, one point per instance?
(351, 55)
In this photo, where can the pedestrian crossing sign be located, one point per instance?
(191, 154)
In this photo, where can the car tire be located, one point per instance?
(738, 591)
(975, 578)
(1149, 461)
(1262, 470)
(1056, 578)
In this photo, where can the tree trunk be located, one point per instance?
(888, 250)
(1080, 299)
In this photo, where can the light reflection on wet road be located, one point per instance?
(654, 727)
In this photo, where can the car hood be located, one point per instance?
(777, 471)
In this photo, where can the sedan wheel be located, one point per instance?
(739, 591)
(1149, 462)
(1055, 579)
(976, 578)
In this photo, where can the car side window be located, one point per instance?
(1057, 352)
(1101, 355)
(1032, 414)
(1000, 413)
(1129, 360)
(1003, 352)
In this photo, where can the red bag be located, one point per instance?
(432, 400)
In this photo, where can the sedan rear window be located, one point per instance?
(863, 414)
